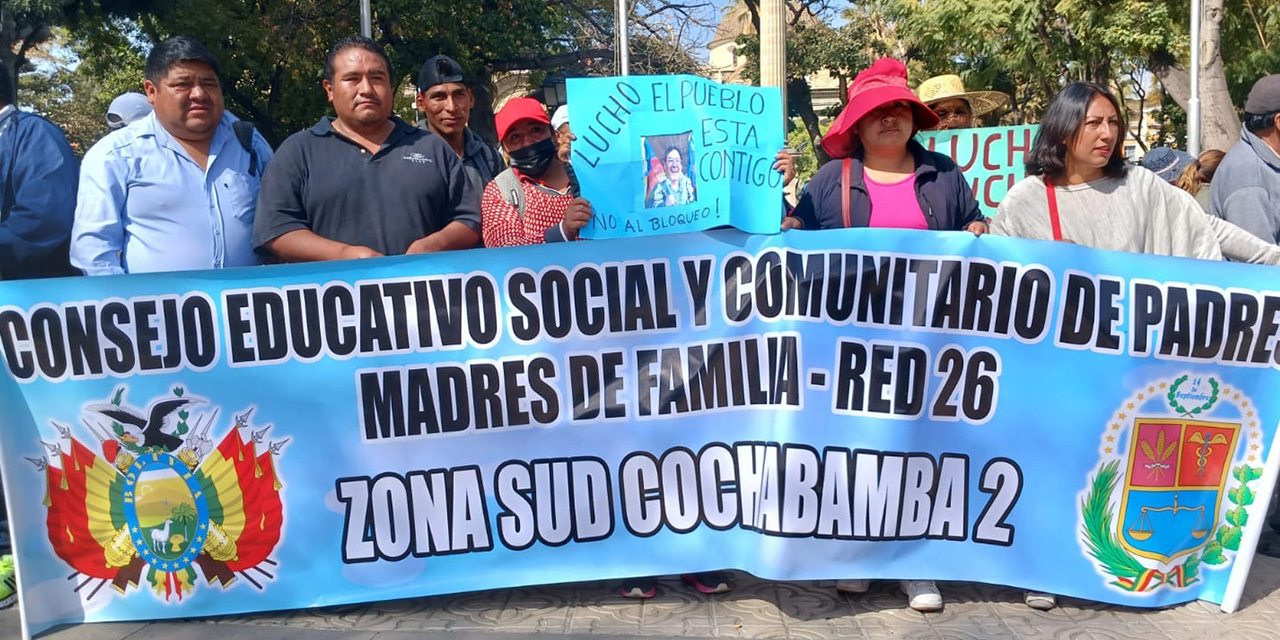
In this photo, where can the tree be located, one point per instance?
(24, 25)
(812, 46)
(73, 83)
(272, 51)
(1037, 44)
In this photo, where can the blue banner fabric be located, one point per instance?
(806, 405)
(665, 154)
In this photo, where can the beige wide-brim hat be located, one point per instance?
(939, 88)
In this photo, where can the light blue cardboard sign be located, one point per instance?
(993, 159)
(665, 154)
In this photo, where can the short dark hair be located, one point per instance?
(1260, 122)
(359, 42)
(6, 86)
(670, 149)
(174, 50)
(1060, 126)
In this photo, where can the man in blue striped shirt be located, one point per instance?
(178, 189)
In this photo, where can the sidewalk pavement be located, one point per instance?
(755, 609)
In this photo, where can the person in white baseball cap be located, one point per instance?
(126, 108)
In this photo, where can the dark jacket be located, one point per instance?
(944, 194)
(40, 176)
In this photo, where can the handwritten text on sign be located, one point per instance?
(665, 154)
(993, 159)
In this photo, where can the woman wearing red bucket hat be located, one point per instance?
(886, 179)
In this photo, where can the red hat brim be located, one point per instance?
(515, 111)
(839, 139)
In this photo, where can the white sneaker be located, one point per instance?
(922, 595)
(1041, 601)
(853, 586)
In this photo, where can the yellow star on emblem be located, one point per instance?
(1153, 389)
(1107, 450)
(1122, 416)
(1141, 396)
(1252, 457)
(1115, 427)
(1255, 435)
(1249, 414)
(1253, 447)
(1244, 404)
(1236, 396)
(1111, 438)
(1130, 406)
(1163, 385)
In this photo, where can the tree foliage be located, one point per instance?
(272, 51)
(73, 82)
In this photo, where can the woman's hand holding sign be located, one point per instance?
(785, 164)
(576, 216)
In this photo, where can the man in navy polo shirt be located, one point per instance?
(366, 183)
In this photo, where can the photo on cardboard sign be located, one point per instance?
(667, 159)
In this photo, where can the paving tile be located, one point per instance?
(766, 632)
(691, 626)
(964, 632)
(671, 606)
(970, 615)
(757, 605)
(878, 625)
(802, 601)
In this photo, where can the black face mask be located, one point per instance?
(534, 159)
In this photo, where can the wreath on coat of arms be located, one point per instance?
(1176, 449)
(159, 500)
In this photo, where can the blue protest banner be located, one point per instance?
(807, 405)
(992, 158)
(665, 154)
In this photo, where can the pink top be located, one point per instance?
(894, 205)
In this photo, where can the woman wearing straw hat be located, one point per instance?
(886, 179)
(956, 108)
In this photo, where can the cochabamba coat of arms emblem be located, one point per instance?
(158, 500)
(1169, 498)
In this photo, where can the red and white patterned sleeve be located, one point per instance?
(500, 224)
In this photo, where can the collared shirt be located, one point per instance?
(321, 181)
(145, 205)
(481, 162)
(37, 199)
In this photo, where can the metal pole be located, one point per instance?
(366, 19)
(773, 48)
(624, 52)
(1193, 104)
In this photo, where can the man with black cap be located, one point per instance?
(1246, 189)
(445, 100)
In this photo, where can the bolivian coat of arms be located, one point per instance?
(156, 499)
(1169, 498)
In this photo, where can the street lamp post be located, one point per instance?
(366, 19)
(1193, 104)
(773, 48)
(620, 35)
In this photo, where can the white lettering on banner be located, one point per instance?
(792, 490)
(423, 513)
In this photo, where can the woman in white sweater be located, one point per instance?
(1079, 189)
